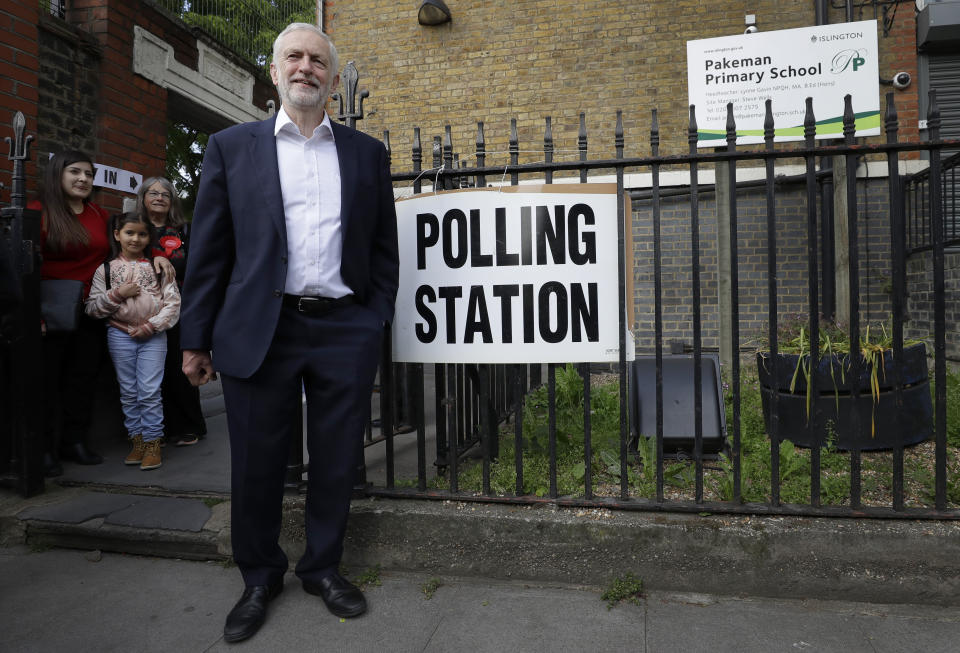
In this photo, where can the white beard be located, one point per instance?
(302, 97)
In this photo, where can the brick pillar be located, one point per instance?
(18, 79)
(899, 54)
(131, 124)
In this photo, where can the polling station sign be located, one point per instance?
(522, 274)
(825, 63)
(116, 178)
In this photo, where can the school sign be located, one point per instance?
(521, 274)
(825, 63)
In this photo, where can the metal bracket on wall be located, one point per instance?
(886, 10)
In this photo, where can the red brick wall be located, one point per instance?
(89, 96)
(898, 53)
(18, 79)
(130, 126)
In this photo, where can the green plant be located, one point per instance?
(756, 476)
(604, 415)
(646, 478)
(628, 588)
(430, 587)
(953, 406)
(679, 477)
(793, 337)
(370, 577)
(571, 466)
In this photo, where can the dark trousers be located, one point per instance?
(333, 359)
(182, 412)
(71, 362)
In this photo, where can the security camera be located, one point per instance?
(751, 30)
(750, 20)
(902, 80)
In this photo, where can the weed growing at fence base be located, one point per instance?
(369, 578)
(680, 476)
(430, 587)
(629, 588)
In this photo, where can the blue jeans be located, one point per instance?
(139, 365)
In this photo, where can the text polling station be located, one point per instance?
(515, 275)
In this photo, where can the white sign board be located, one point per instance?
(115, 178)
(522, 274)
(825, 63)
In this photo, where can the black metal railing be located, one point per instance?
(57, 8)
(21, 449)
(917, 197)
(473, 401)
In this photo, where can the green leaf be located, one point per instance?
(579, 470)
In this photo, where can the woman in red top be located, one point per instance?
(74, 244)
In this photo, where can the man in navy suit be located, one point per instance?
(291, 279)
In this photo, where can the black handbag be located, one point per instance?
(61, 302)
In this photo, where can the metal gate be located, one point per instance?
(472, 402)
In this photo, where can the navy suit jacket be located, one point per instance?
(237, 264)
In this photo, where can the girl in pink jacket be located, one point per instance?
(138, 306)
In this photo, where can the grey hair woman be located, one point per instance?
(158, 200)
(158, 203)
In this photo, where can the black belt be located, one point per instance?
(317, 305)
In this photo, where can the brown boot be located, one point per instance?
(151, 455)
(135, 457)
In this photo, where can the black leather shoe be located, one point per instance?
(79, 454)
(250, 612)
(342, 597)
(51, 466)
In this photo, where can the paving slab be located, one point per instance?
(80, 508)
(200, 468)
(137, 511)
(88, 601)
(169, 513)
(685, 622)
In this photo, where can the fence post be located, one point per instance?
(939, 307)
(722, 196)
(898, 260)
(813, 295)
(353, 111)
(852, 281)
(841, 238)
(21, 380)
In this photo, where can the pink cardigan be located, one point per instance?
(157, 305)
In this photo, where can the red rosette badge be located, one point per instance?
(169, 244)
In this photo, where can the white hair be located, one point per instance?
(293, 27)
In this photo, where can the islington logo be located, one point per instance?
(847, 60)
(845, 36)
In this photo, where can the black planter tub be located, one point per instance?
(908, 424)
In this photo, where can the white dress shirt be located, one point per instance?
(310, 184)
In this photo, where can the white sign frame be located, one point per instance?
(825, 62)
(116, 178)
(477, 254)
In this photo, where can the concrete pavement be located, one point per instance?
(511, 578)
(61, 600)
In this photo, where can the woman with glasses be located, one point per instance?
(157, 201)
